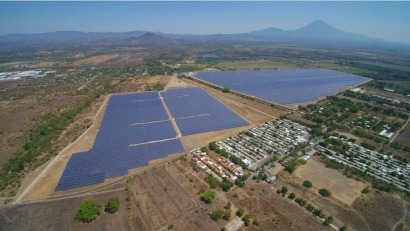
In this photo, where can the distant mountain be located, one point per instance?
(316, 33)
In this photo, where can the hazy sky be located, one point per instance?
(386, 20)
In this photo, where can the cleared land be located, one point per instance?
(404, 136)
(342, 188)
(95, 59)
(365, 213)
(60, 214)
(160, 199)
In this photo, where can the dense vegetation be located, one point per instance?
(208, 196)
(112, 205)
(89, 210)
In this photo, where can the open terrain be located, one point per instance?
(344, 189)
(59, 214)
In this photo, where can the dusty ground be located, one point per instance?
(342, 188)
(383, 211)
(21, 106)
(365, 213)
(163, 197)
(59, 215)
(404, 136)
(95, 59)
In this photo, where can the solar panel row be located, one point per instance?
(129, 119)
(283, 86)
(196, 111)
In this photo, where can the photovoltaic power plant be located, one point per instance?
(283, 86)
(136, 129)
(195, 111)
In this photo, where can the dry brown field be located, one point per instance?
(342, 188)
(60, 214)
(95, 59)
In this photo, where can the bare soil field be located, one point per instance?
(273, 211)
(404, 136)
(365, 213)
(59, 215)
(163, 197)
(259, 200)
(383, 211)
(95, 59)
(342, 188)
(21, 108)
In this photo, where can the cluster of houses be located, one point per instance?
(220, 165)
(381, 166)
(258, 144)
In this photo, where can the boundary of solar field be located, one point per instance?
(123, 178)
(251, 97)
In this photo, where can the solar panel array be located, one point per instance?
(195, 111)
(135, 129)
(283, 86)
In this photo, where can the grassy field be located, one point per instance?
(255, 64)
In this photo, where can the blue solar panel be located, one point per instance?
(136, 129)
(128, 119)
(196, 111)
(284, 86)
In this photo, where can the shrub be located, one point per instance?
(240, 212)
(89, 210)
(227, 215)
(292, 196)
(307, 184)
(112, 205)
(324, 192)
(217, 214)
(208, 196)
(284, 190)
(246, 219)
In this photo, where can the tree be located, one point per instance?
(208, 196)
(226, 184)
(344, 228)
(228, 205)
(328, 221)
(284, 190)
(292, 196)
(217, 214)
(324, 192)
(227, 215)
(307, 184)
(212, 181)
(212, 146)
(89, 210)
(112, 205)
(246, 219)
(240, 212)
